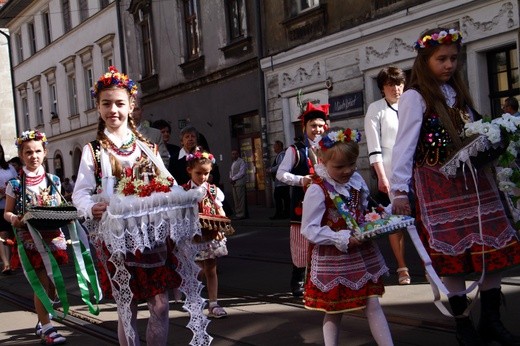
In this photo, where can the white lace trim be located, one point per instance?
(134, 223)
(479, 144)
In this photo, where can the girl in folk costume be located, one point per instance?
(461, 220)
(7, 172)
(120, 153)
(344, 274)
(212, 243)
(295, 170)
(41, 189)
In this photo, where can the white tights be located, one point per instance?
(376, 320)
(157, 328)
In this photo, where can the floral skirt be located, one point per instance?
(211, 249)
(55, 241)
(340, 298)
(145, 282)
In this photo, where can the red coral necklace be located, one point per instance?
(33, 181)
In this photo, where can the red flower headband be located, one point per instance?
(199, 155)
(113, 78)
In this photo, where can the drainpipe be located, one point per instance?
(121, 37)
(262, 107)
(12, 80)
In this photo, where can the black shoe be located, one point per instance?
(297, 290)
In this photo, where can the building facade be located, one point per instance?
(59, 48)
(197, 63)
(342, 56)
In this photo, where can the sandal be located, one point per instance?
(7, 271)
(52, 337)
(216, 311)
(404, 277)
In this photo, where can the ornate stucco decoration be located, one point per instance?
(393, 47)
(301, 77)
(506, 10)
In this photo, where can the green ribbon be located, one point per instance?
(33, 279)
(85, 269)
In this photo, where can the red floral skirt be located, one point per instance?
(340, 298)
(34, 256)
(470, 261)
(442, 196)
(144, 282)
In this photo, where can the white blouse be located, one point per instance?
(381, 124)
(5, 176)
(411, 112)
(284, 170)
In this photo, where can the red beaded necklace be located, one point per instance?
(33, 181)
(126, 149)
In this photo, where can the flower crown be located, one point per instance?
(113, 78)
(341, 136)
(199, 154)
(32, 135)
(438, 38)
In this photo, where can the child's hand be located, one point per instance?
(306, 180)
(98, 209)
(220, 236)
(354, 242)
(17, 222)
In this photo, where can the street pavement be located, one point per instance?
(254, 289)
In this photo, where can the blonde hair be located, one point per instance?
(350, 150)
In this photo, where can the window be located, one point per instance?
(38, 107)
(104, 3)
(503, 76)
(73, 97)
(299, 6)
(107, 62)
(53, 100)
(46, 27)
(236, 12)
(192, 28)
(25, 110)
(83, 10)
(32, 38)
(146, 44)
(67, 23)
(89, 82)
(19, 46)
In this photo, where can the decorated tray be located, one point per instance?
(50, 218)
(385, 225)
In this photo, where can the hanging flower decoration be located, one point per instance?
(333, 137)
(505, 130)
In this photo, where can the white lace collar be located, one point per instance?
(38, 172)
(355, 182)
(116, 140)
(449, 94)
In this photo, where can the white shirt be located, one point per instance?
(381, 124)
(5, 176)
(411, 113)
(289, 160)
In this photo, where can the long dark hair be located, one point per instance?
(3, 163)
(424, 81)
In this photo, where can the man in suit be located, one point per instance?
(151, 134)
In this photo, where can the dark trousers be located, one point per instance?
(282, 201)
